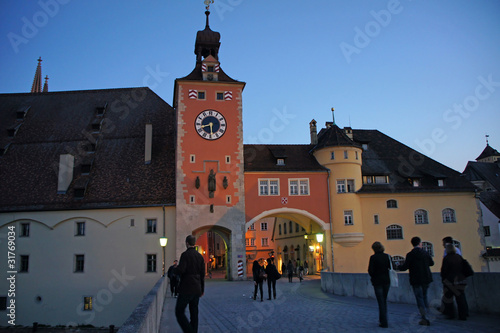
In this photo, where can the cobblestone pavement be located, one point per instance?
(227, 306)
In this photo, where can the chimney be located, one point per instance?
(65, 177)
(149, 142)
(314, 132)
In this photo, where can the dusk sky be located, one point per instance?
(426, 73)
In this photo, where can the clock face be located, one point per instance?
(210, 124)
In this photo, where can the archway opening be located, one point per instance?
(212, 242)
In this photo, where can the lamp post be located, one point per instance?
(163, 244)
(319, 238)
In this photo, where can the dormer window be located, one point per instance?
(210, 68)
(440, 182)
(416, 182)
(280, 161)
(20, 115)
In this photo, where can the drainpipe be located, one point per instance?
(330, 217)
(164, 235)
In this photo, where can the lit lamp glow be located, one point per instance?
(163, 241)
(319, 238)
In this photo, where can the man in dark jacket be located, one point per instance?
(418, 262)
(191, 270)
(454, 284)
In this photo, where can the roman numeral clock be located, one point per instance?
(210, 124)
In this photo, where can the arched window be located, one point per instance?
(421, 217)
(428, 247)
(392, 203)
(449, 215)
(397, 261)
(394, 231)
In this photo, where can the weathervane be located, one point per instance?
(487, 136)
(207, 4)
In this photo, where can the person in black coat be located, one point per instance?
(272, 276)
(191, 270)
(290, 270)
(258, 278)
(454, 284)
(174, 278)
(418, 261)
(378, 268)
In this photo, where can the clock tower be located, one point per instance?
(210, 193)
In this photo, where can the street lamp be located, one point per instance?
(319, 238)
(163, 243)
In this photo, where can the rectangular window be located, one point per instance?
(280, 161)
(332, 155)
(357, 156)
(350, 185)
(268, 187)
(416, 182)
(220, 96)
(87, 303)
(346, 155)
(294, 187)
(201, 95)
(80, 229)
(25, 260)
(487, 232)
(348, 220)
(298, 186)
(132, 222)
(263, 226)
(151, 226)
(304, 187)
(25, 230)
(440, 182)
(252, 227)
(264, 242)
(274, 187)
(228, 159)
(79, 263)
(247, 241)
(297, 227)
(151, 263)
(192, 158)
(284, 228)
(252, 241)
(279, 226)
(192, 199)
(341, 186)
(375, 219)
(228, 199)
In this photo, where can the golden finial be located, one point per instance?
(207, 4)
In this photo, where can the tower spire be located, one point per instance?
(333, 115)
(46, 84)
(36, 87)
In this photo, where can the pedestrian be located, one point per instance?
(191, 270)
(289, 269)
(418, 262)
(454, 283)
(272, 276)
(301, 273)
(258, 278)
(449, 240)
(174, 279)
(283, 268)
(378, 268)
(306, 268)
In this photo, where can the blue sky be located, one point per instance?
(424, 72)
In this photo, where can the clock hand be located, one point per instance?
(211, 124)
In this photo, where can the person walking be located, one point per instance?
(378, 269)
(289, 269)
(418, 262)
(446, 240)
(306, 268)
(258, 278)
(174, 279)
(454, 284)
(191, 270)
(272, 276)
(283, 268)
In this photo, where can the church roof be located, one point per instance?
(487, 152)
(104, 130)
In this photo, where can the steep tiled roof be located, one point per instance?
(490, 172)
(487, 152)
(334, 136)
(264, 158)
(65, 123)
(386, 156)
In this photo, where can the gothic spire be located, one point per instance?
(37, 81)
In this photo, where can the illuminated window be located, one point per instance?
(87, 303)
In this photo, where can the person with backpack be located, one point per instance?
(454, 283)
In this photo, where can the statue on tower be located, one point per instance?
(211, 183)
(207, 4)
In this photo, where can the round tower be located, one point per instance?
(341, 155)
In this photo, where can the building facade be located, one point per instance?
(91, 180)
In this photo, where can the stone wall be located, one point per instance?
(147, 315)
(482, 289)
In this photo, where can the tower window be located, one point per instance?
(332, 155)
(210, 69)
(348, 220)
(201, 95)
(220, 96)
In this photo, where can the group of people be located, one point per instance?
(261, 273)
(418, 262)
(292, 268)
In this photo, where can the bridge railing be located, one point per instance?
(147, 315)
